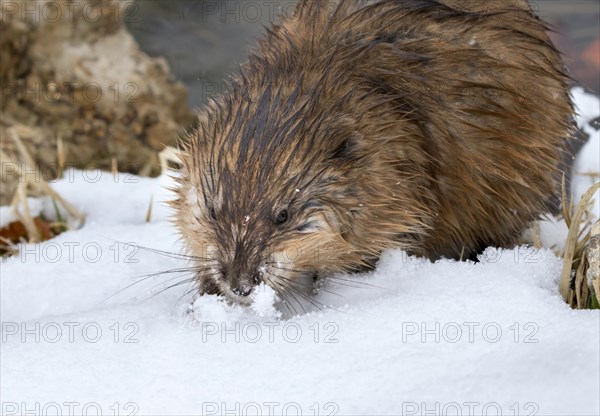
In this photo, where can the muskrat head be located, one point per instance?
(267, 195)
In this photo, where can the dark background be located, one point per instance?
(203, 40)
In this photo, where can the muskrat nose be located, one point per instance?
(242, 290)
(245, 285)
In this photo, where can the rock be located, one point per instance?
(72, 70)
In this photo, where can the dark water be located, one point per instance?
(204, 40)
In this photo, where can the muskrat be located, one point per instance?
(433, 126)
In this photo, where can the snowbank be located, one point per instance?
(413, 337)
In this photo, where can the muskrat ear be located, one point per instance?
(346, 150)
(345, 141)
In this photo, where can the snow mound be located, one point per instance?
(89, 326)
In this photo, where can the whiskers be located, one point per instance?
(291, 291)
(339, 280)
(174, 277)
(295, 287)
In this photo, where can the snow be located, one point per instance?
(83, 332)
(588, 107)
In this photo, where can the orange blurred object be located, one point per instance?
(592, 54)
(16, 232)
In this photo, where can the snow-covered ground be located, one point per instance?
(413, 337)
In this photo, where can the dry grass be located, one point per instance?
(169, 158)
(30, 229)
(31, 183)
(149, 212)
(580, 277)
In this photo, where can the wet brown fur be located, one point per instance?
(431, 126)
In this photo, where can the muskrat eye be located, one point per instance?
(282, 216)
(212, 213)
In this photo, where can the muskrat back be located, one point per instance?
(432, 126)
